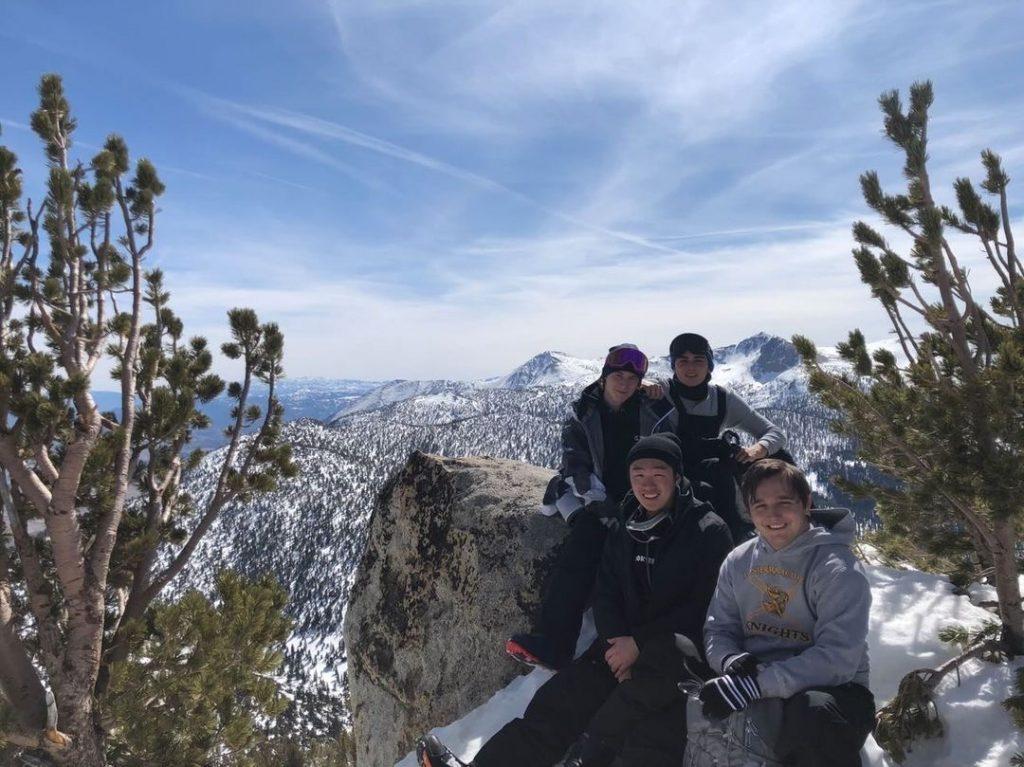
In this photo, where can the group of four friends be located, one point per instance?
(677, 530)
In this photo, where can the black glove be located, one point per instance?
(556, 486)
(716, 447)
(606, 511)
(724, 695)
(741, 664)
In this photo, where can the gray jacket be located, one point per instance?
(738, 415)
(580, 478)
(802, 610)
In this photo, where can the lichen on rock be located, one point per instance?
(454, 563)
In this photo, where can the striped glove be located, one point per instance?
(723, 695)
(741, 664)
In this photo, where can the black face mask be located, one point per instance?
(693, 393)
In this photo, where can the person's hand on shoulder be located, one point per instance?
(652, 390)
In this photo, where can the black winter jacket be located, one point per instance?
(678, 588)
(583, 442)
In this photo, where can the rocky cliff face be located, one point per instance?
(453, 564)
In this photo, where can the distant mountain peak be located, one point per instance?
(765, 355)
(550, 368)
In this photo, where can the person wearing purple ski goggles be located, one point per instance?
(611, 414)
(625, 357)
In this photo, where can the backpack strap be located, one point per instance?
(721, 407)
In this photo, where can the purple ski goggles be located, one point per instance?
(626, 358)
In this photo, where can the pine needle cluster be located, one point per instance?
(911, 715)
(200, 680)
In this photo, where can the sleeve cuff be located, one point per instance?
(772, 685)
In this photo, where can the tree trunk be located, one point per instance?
(1004, 560)
(77, 720)
(76, 696)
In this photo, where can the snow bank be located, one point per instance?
(908, 610)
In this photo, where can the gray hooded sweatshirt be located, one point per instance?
(802, 610)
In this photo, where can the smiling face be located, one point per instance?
(778, 513)
(691, 369)
(653, 483)
(619, 387)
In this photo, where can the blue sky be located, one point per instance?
(425, 189)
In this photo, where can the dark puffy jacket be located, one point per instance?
(583, 450)
(688, 552)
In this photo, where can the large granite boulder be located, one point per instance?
(454, 563)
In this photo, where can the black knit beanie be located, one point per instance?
(665, 447)
(694, 344)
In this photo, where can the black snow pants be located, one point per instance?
(643, 721)
(826, 725)
(571, 581)
(587, 694)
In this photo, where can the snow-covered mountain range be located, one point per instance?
(316, 398)
(310, 532)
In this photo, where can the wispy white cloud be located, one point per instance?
(485, 321)
(315, 126)
(508, 309)
(5, 123)
(701, 64)
(287, 143)
(242, 116)
(279, 180)
(773, 229)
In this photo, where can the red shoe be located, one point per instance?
(521, 654)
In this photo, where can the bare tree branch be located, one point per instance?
(44, 465)
(106, 536)
(30, 485)
(40, 594)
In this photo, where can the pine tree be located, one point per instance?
(198, 682)
(948, 422)
(73, 290)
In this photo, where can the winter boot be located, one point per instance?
(589, 752)
(431, 752)
(533, 650)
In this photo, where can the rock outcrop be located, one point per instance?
(453, 564)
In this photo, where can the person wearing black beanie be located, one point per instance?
(701, 411)
(692, 343)
(664, 447)
(619, 700)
